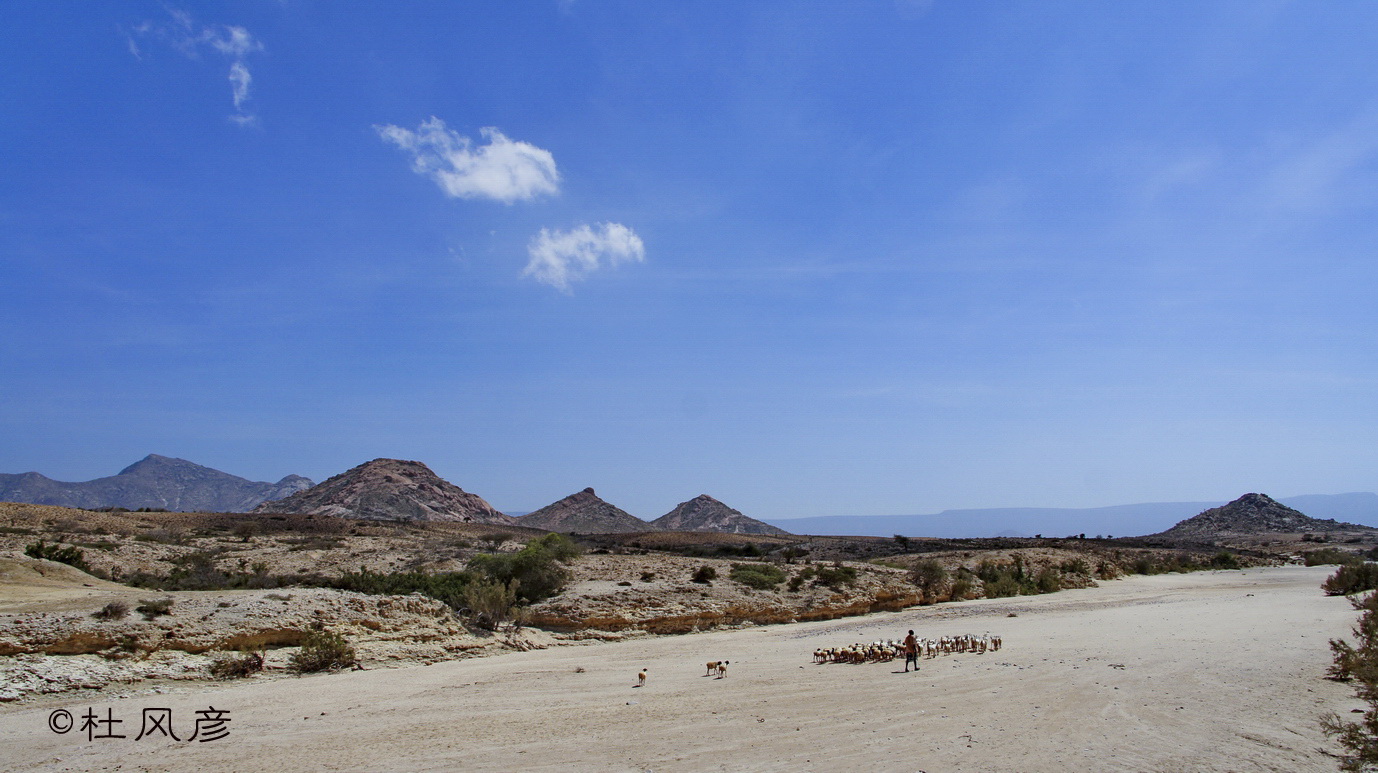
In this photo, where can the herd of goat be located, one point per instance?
(885, 651)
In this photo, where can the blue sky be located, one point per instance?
(811, 258)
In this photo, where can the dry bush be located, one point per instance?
(115, 610)
(238, 666)
(151, 608)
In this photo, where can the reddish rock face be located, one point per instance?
(704, 513)
(390, 489)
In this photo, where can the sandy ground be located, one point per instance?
(1218, 671)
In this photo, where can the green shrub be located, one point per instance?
(795, 583)
(1048, 581)
(705, 574)
(535, 568)
(323, 650)
(1330, 556)
(447, 587)
(835, 576)
(1350, 579)
(1075, 566)
(758, 576)
(961, 588)
(1225, 560)
(55, 552)
(490, 602)
(929, 577)
(1001, 586)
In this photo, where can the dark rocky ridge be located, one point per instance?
(586, 513)
(1254, 514)
(391, 490)
(154, 481)
(704, 513)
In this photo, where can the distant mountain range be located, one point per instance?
(1118, 520)
(409, 490)
(154, 481)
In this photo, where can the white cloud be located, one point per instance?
(239, 82)
(234, 41)
(185, 35)
(504, 169)
(561, 257)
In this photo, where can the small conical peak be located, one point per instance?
(588, 491)
(155, 461)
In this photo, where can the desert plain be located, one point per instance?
(1210, 671)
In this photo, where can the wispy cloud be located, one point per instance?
(504, 169)
(184, 34)
(561, 257)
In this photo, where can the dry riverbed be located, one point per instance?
(1214, 671)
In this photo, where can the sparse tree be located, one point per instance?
(1359, 739)
(929, 577)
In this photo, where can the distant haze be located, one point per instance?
(1118, 521)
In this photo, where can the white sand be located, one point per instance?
(1167, 673)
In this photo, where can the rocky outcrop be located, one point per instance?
(704, 513)
(393, 490)
(584, 512)
(154, 482)
(1254, 514)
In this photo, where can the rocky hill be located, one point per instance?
(390, 489)
(586, 513)
(704, 513)
(1254, 514)
(154, 481)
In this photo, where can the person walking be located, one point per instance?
(911, 652)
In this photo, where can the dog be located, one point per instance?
(713, 666)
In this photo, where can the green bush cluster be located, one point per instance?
(1330, 556)
(448, 587)
(323, 650)
(930, 578)
(705, 574)
(66, 555)
(536, 568)
(836, 576)
(1160, 564)
(758, 576)
(1350, 579)
(490, 602)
